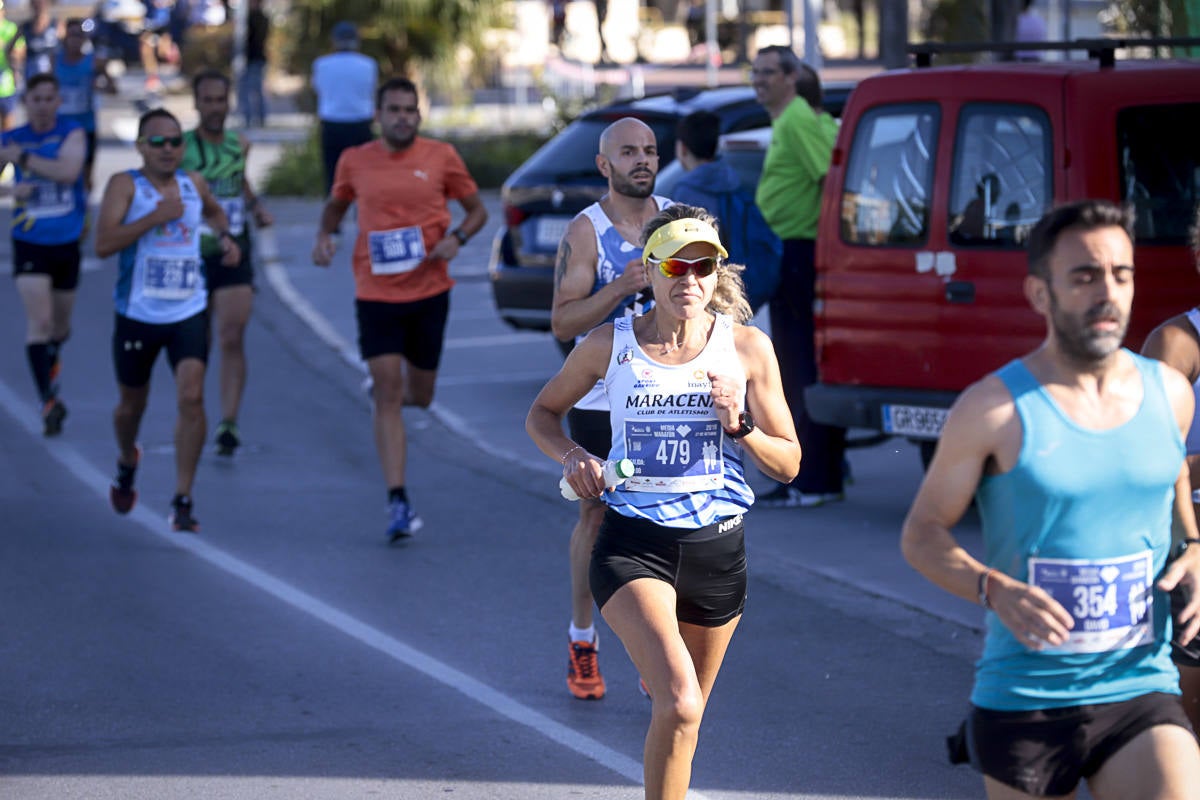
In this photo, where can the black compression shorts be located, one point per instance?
(707, 566)
(1047, 752)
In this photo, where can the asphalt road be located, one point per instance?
(286, 651)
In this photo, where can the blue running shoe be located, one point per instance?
(404, 521)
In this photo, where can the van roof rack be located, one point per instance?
(1102, 49)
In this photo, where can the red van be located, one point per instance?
(938, 175)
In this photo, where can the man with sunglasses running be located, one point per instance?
(592, 285)
(152, 217)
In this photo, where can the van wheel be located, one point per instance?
(927, 448)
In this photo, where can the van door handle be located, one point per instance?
(960, 292)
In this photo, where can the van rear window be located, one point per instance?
(1001, 182)
(889, 176)
(1159, 160)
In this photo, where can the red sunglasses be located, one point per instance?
(678, 267)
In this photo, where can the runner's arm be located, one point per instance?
(981, 421)
(447, 248)
(773, 444)
(585, 365)
(65, 167)
(331, 216)
(576, 309)
(113, 235)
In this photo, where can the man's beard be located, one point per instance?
(1080, 344)
(626, 187)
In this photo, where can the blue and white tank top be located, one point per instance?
(40, 47)
(76, 87)
(1192, 443)
(1086, 515)
(159, 279)
(688, 472)
(613, 253)
(54, 212)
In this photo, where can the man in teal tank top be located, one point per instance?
(1074, 455)
(219, 155)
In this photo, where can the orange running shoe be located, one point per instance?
(583, 672)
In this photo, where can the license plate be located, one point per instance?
(550, 231)
(916, 421)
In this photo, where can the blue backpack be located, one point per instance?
(750, 241)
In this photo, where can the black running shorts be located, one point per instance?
(136, 345)
(414, 330)
(591, 430)
(217, 275)
(707, 566)
(59, 261)
(1047, 752)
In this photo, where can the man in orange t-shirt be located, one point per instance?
(402, 184)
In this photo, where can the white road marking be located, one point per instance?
(277, 276)
(155, 523)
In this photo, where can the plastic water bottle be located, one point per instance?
(614, 473)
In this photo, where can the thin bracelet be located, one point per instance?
(563, 458)
(984, 600)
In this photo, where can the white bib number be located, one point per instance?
(50, 199)
(675, 455)
(1110, 600)
(235, 213)
(171, 278)
(396, 251)
(74, 100)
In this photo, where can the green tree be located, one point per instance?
(419, 38)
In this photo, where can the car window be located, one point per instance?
(1001, 181)
(572, 153)
(889, 177)
(1159, 155)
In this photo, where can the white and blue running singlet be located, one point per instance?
(613, 253)
(1085, 515)
(159, 279)
(54, 212)
(688, 472)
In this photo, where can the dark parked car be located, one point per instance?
(561, 179)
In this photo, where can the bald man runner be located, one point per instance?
(592, 286)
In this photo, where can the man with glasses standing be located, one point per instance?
(152, 217)
(47, 225)
(599, 277)
(789, 197)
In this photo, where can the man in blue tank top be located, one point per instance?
(151, 217)
(47, 224)
(593, 286)
(77, 71)
(1074, 456)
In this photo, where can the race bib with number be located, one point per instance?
(396, 251)
(75, 100)
(675, 455)
(171, 278)
(1110, 600)
(235, 213)
(50, 199)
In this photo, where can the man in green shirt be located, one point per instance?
(219, 155)
(789, 197)
(10, 42)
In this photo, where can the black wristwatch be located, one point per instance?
(745, 425)
(457, 233)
